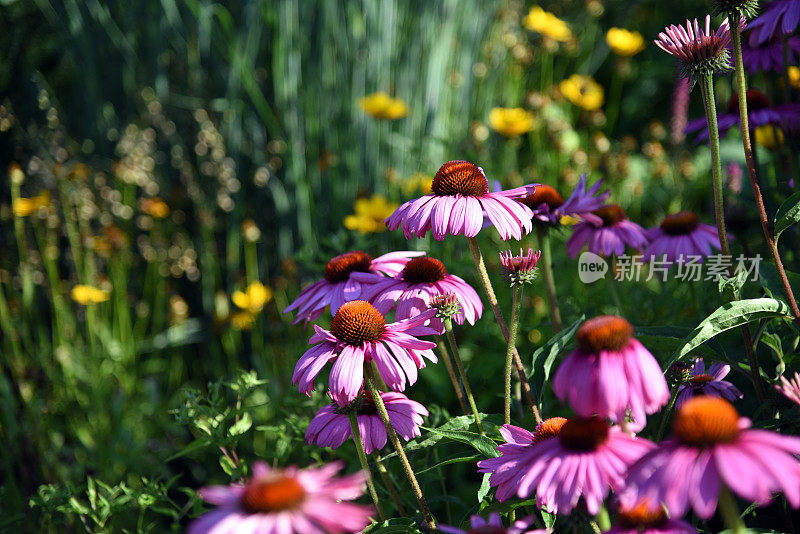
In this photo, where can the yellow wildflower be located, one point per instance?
(769, 136)
(22, 207)
(511, 122)
(582, 91)
(382, 106)
(624, 42)
(546, 23)
(417, 183)
(253, 298)
(155, 207)
(243, 320)
(370, 214)
(85, 295)
(794, 76)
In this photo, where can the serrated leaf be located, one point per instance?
(787, 214)
(482, 444)
(729, 316)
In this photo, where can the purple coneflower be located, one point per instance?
(646, 518)
(609, 237)
(768, 56)
(290, 501)
(699, 50)
(712, 446)
(611, 373)
(780, 17)
(331, 426)
(585, 459)
(338, 286)
(359, 334)
(494, 525)
(709, 383)
(549, 206)
(413, 288)
(790, 388)
(681, 235)
(460, 197)
(520, 269)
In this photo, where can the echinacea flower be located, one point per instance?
(370, 214)
(358, 335)
(520, 269)
(780, 17)
(22, 207)
(711, 447)
(331, 426)
(768, 56)
(586, 458)
(253, 298)
(583, 91)
(511, 122)
(611, 236)
(460, 196)
(338, 286)
(790, 388)
(381, 106)
(709, 383)
(699, 50)
(85, 294)
(624, 42)
(549, 207)
(647, 518)
(289, 501)
(493, 525)
(544, 22)
(413, 288)
(681, 235)
(611, 373)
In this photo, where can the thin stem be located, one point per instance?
(603, 521)
(398, 447)
(398, 503)
(673, 396)
(730, 512)
(512, 341)
(451, 373)
(451, 338)
(548, 279)
(498, 315)
(736, 38)
(362, 457)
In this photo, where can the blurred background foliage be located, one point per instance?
(164, 155)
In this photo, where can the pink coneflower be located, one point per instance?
(331, 426)
(611, 236)
(338, 286)
(290, 501)
(707, 383)
(586, 459)
(412, 289)
(790, 388)
(494, 525)
(549, 206)
(457, 205)
(611, 373)
(699, 50)
(520, 269)
(681, 235)
(711, 446)
(359, 334)
(646, 518)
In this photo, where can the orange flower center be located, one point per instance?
(641, 515)
(487, 529)
(583, 434)
(681, 223)
(424, 270)
(544, 194)
(606, 332)
(704, 421)
(459, 178)
(611, 214)
(549, 428)
(272, 495)
(356, 322)
(701, 379)
(340, 267)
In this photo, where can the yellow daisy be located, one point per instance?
(511, 122)
(381, 106)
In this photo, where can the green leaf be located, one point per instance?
(227, 465)
(455, 460)
(189, 449)
(396, 525)
(241, 426)
(787, 215)
(553, 347)
(729, 316)
(482, 444)
(485, 487)
(768, 275)
(663, 341)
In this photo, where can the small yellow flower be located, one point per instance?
(253, 298)
(511, 122)
(624, 42)
(243, 320)
(155, 207)
(370, 214)
(382, 106)
(769, 136)
(85, 295)
(582, 91)
(417, 183)
(546, 23)
(794, 76)
(22, 207)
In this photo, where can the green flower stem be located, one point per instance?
(382, 471)
(498, 315)
(398, 447)
(673, 396)
(512, 341)
(25, 270)
(362, 457)
(730, 512)
(451, 373)
(752, 171)
(603, 521)
(549, 280)
(451, 338)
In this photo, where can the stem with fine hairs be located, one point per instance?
(516, 303)
(453, 378)
(362, 457)
(451, 338)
